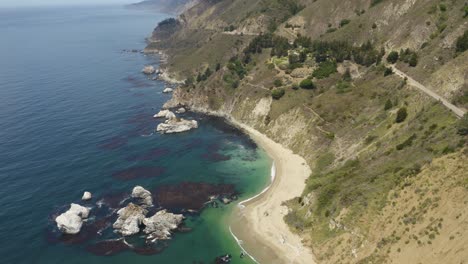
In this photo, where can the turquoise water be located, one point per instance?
(75, 110)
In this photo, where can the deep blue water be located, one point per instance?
(75, 110)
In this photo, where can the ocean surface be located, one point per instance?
(76, 115)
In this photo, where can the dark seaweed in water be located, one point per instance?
(215, 157)
(113, 143)
(136, 82)
(220, 124)
(150, 155)
(189, 195)
(107, 247)
(138, 173)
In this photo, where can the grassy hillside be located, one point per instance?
(315, 76)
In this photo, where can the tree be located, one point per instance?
(302, 56)
(277, 93)
(392, 57)
(218, 66)
(413, 61)
(388, 105)
(401, 115)
(307, 84)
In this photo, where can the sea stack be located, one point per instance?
(148, 70)
(86, 196)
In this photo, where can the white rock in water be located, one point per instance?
(181, 110)
(160, 225)
(168, 90)
(166, 114)
(148, 70)
(71, 221)
(130, 219)
(176, 126)
(86, 196)
(143, 194)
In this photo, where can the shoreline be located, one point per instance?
(257, 223)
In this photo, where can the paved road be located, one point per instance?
(458, 111)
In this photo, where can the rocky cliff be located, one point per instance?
(316, 77)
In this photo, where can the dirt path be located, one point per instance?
(458, 111)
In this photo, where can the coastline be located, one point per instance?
(258, 221)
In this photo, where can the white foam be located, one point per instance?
(273, 175)
(239, 242)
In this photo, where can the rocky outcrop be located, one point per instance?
(168, 90)
(181, 110)
(143, 195)
(164, 114)
(160, 225)
(176, 126)
(130, 219)
(71, 221)
(86, 196)
(148, 70)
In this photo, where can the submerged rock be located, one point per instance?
(160, 225)
(168, 90)
(86, 196)
(176, 126)
(148, 70)
(71, 221)
(142, 194)
(130, 219)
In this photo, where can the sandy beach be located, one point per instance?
(258, 223)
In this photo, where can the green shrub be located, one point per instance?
(442, 7)
(462, 42)
(307, 84)
(277, 93)
(401, 115)
(344, 22)
(413, 61)
(278, 83)
(388, 105)
(462, 125)
(392, 57)
(295, 86)
(324, 70)
(408, 142)
(388, 71)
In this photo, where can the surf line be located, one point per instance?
(241, 206)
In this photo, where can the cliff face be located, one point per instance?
(377, 193)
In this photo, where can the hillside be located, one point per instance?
(326, 79)
(166, 6)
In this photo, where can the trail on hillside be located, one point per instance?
(458, 111)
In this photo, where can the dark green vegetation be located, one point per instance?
(401, 115)
(307, 84)
(462, 42)
(277, 93)
(392, 57)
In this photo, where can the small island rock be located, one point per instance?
(86, 196)
(176, 126)
(129, 220)
(166, 114)
(168, 90)
(142, 194)
(181, 110)
(71, 221)
(160, 225)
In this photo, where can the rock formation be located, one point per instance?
(71, 221)
(86, 196)
(148, 70)
(160, 225)
(130, 219)
(176, 126)
(168, 90)
(165, 113)
(143, 195)
(181, 110)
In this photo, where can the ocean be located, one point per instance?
(76, 115)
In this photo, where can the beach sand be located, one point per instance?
(258, 223)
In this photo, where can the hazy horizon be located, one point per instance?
(36, 3)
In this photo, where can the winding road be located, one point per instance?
(458, 111)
